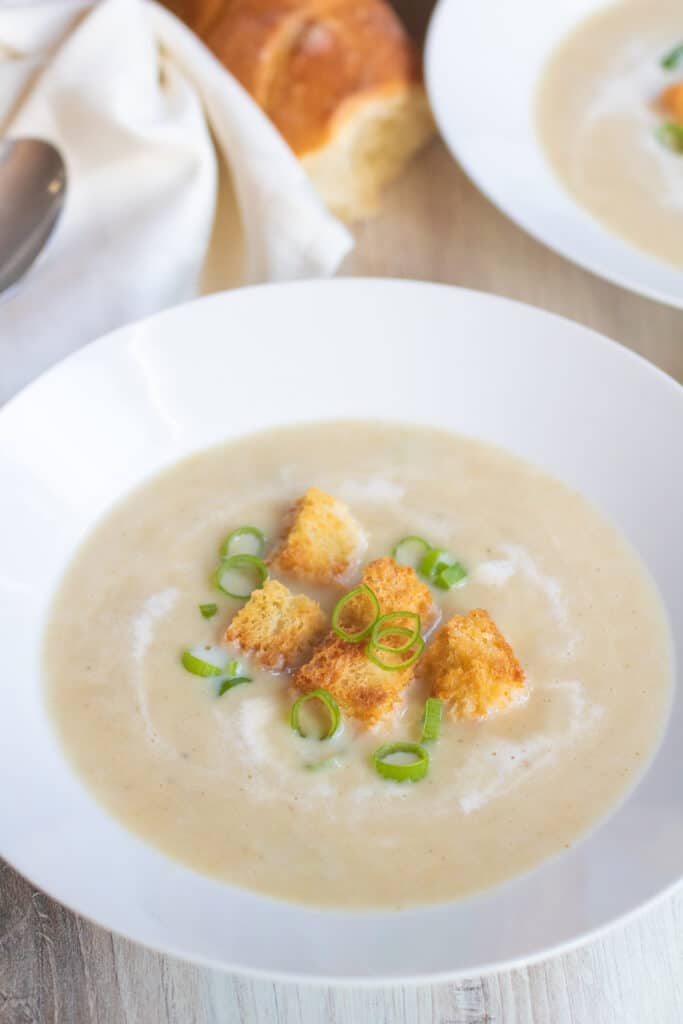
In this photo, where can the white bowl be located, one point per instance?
(105, 419)
(483, 61)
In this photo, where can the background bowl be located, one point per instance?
(105, 419)
(483, 62)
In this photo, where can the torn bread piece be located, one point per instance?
(323, 542)
(472, 668)
(363, 690)
(277, 627)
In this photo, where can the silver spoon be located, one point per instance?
(32, 192)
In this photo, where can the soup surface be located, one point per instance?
(599, 115)
(222, 784)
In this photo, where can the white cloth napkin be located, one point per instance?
(178, 183)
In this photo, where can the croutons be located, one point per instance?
(398, 589)
(279, 628)
(671, 102)
(472, 667)
(322, 542)
(362, 689)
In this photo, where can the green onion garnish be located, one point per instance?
(362, 591)
(431, 722)
(233, 677)
(451, 576)
(229, 675)
(411, 771)
(383, 628)
(434, 562)
(233, 569)
(325, 765)
(243, 531)
(228, 684)
(401, 551)
(208, 610)
(199, 667)
(371, 650)
(328, 702)
(670, 134)
(673, 59)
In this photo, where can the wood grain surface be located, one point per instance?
(56, 967)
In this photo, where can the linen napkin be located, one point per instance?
(177, 182)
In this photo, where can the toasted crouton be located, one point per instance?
(361, 689)
(472, 667)
(671, 102)
(279, 628)
(322, 543)
(398, 588)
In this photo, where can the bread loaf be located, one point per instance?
(340, 79)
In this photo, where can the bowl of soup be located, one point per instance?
(569, 117)
(340, 624)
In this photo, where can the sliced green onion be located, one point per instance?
(451, 576)
(400, 551)
(431, 722)
(228, 684)
(208, 610)
(670, 134)
(227, 675)
(330, 704)
(393, 631)
(434, 562)
(246, 564)
(383, 628)
(362, 591)
(325, 765)
(199, 667)
(401, 772)
(243, 531)
(371, 651)
(673, 59)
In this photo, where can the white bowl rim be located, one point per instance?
(108, 343)
(440, 31)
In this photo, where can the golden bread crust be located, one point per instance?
(363, 690)
(302, 60)
(277, 627)
(398, 588)
(323, 541)
(471, 667)
(671, 102)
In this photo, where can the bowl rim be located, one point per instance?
(438, 31)
(349, 285)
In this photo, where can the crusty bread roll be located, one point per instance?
(339, 78)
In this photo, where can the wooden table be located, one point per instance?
(55, 967)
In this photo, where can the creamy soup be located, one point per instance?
(224, 785)
(600, 121)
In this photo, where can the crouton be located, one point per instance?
(671, 102)
(362, 689)
(398, 589)
(472, 667)
(277, 627)
(322, 542)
